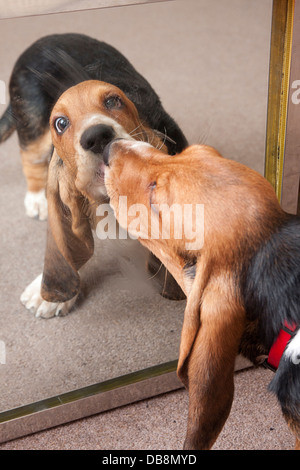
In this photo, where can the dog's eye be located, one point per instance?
(61, 124)
(113, 102)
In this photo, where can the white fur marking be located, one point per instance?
(139, 145)
(33, 301)
(36, 204)
(292, 351)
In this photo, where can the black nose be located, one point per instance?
(95, 138)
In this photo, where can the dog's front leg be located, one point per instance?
(34, 302)
(209, 368)
(169, 288)
(35, 161)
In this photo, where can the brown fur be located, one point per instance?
(73, 183)
(240, 211)
(35, 161)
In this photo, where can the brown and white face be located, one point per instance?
(84, 120)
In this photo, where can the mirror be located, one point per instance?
(208, 60)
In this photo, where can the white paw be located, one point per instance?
(34, 302)
(36, 204)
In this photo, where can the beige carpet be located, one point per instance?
(255, 423)
(208, 61)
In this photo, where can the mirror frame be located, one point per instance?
(162, 378)
(279, 77)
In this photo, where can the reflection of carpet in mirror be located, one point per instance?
(120, 325)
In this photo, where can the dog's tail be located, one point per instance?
(7, 124)
(286, 385)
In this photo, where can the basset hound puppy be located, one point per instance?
(238, 263)
(84, 120)
(42, 73)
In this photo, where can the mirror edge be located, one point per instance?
(88, 401)
(279, 75)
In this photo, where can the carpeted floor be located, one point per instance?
(255, 423)
(208, 61)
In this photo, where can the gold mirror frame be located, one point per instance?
(279, 78)
(162, 378)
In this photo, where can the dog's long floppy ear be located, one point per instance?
(70, 241)
(190, 328)
(191, 322)
(213, 326)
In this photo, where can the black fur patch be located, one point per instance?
(286, 385)
(56, 62)
(190, 269)
(271, 283)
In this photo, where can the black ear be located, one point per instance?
(70, 242)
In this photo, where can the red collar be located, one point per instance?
(279, 345)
